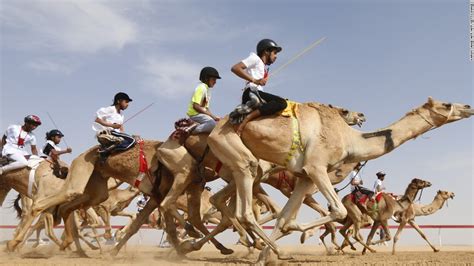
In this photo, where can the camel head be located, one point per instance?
(351, 117)
(445, 194)
(419, 184)
(438, 113)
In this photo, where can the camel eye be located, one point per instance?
(447, 105)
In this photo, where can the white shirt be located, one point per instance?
(377, 183)
(255, 68)
(110, 115)
(53, 146)
(13, 133)
(354, 177)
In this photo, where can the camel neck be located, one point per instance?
(431, 208)
(371, 145)
(407, 199)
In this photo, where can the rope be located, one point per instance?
(362, 166)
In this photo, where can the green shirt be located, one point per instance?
(201, 96)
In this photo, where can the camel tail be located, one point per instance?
(16, 205)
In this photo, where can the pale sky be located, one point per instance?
(382, 58)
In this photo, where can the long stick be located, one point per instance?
(56, 126)
(137, 113)
(307, 49)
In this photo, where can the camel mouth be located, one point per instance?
(451, 196)
(467, 112)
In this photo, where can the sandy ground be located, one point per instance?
(302, 255)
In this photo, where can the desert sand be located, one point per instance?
(302, 255)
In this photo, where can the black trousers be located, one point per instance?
(363, 190)
(273, 105)
(128, 141)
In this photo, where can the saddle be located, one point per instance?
(361, 198)
(108, 143)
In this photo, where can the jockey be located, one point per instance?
(110, 119)
(356, 182)
(198, 109)
(252, 70)
(14, 141)
(51, 148)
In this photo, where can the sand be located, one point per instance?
(302, 255)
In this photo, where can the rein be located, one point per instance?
(433, 126)
(362, 166)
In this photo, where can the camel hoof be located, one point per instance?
(11, 245)
(114, 252)
(186, 247)
(284, 256)
(226, 251)
(353, 248)
(81, 254)
(436, 250)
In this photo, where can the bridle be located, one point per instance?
(433, 126)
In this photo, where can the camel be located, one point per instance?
(415, 210)
(86, 185)
(327, 142)
(379, 211)
(45, 183)
(173, 156)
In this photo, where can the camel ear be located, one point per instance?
(430, 101)
(439, 191)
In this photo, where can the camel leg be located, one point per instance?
(135, 226)
(374, 228)
(357, 236)
(219, 199)
(95, 193)
(183, 176)
(21, 231)
(320, 178)
(194, 215)
(343, 231)
(402, 224)
(303, 187)
(79, 173)
(49, 226)
(418, 229)
(3, 194)
(387, 233)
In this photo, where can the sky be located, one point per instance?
(382, 58)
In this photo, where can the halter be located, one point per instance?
(433, 126)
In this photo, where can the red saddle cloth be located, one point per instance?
(364, 198)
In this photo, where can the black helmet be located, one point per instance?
(121, 96)
(33, 119)
(266, 44)
(54, 132)
(380, 173)
(208, 72)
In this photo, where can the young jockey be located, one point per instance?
(198, 109)
(252, 70)
(51, 148)
(14, 141)
(111, 119)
